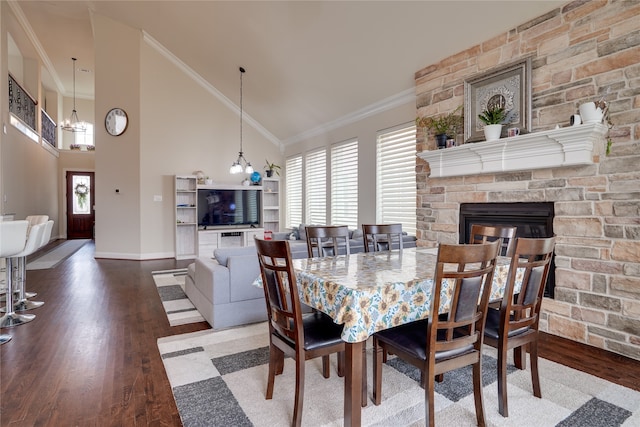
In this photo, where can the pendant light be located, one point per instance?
(73, 124)
(241, 164)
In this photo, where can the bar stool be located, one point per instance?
(33, 220)
(34, 241)
(22, 267)
(13, 235)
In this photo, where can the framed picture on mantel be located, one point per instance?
(508, 87)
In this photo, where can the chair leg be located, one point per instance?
(11, 318)
(378, 355)
(519, 357)
(502, 382)
(23, 303)
(341, 363)
(477, 392)
(297, 407)
(535, 378)
(326, 372)
(274, 366)
(429, 397)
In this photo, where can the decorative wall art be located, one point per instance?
(508, 87)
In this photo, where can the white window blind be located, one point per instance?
(344, 184)
(396, 177)
(316, 187)
(293, 171)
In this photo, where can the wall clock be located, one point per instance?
(116, 121)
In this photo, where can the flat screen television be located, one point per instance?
(234, 208)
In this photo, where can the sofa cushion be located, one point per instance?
(222, 254)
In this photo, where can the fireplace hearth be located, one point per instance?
(533, 220)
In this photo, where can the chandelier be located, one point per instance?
(241, 164)
(73, 124)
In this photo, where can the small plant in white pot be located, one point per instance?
(492, 118)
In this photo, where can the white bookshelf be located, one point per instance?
(271, 204)
(186, 202)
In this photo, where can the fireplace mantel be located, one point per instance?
(574, 145)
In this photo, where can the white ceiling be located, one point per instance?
(309, 64)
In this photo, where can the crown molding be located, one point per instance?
(402, 98)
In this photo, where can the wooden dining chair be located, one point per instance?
(515, 325)
(301, 337)
(326, 240)
(379, 237)
(481, 233)
(431, 344)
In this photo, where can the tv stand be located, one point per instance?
(212, 239)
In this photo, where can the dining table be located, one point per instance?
(371, 291)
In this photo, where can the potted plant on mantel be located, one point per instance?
(443, 127)
(270, 168)
(493, 119)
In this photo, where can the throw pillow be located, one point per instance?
(357, 234)
(302, 232)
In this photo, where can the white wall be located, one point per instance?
(175, 127)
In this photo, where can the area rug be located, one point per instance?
(57, 255)
(219, 379)
(170, 286)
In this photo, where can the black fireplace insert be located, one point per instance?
(533, 220)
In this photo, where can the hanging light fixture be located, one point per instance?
(241, 165)
(73, 124)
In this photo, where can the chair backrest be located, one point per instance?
(468, 271)
(378, 237)
(35, 220)
(280, 289)
(46, 236)
(13, 237)
(488, 233)
(532, 260)
(325, 240)
(33, 239)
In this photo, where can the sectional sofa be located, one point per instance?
(221, 287)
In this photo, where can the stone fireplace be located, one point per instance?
(580, 52)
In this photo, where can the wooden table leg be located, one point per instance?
(353, 384)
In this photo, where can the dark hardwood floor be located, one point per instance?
(90, 357)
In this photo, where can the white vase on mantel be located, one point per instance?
(492, 132)
(589, 113)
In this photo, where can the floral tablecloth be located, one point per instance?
(369, 292)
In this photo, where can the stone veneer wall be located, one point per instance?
(580, 51)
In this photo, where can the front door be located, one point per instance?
(80, 202)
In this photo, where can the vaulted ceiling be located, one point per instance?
(309, 64)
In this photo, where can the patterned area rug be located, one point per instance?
(219, 379)
(170, 285)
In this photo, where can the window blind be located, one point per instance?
(316, 187)
(396, 177)
(293, 171)
(344, 184)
